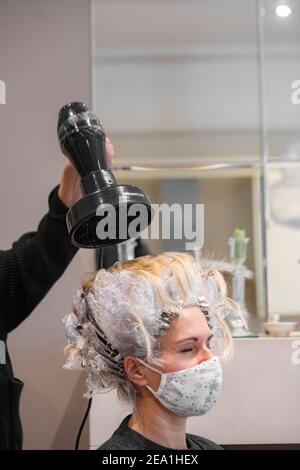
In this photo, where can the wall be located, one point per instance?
(45, 63)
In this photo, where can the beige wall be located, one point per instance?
(45, 62)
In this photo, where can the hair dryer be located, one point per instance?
(82, 140)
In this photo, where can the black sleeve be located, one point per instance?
(33, 265)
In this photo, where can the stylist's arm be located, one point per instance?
(27, 271)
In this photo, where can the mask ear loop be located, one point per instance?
(149, 367)
(154, 370)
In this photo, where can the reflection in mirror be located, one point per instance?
(284, 232)
(281, 43)
(237, 193)
(166, 92)
(180, 97)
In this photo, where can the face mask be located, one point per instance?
(190, 392)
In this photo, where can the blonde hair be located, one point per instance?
(182, 268)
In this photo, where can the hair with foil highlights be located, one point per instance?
(123, 310)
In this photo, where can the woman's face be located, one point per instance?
(185, 345)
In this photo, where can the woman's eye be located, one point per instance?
(187, 350)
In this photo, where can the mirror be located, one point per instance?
(182, 107)
(281, 70)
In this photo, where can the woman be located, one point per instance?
(153, 329)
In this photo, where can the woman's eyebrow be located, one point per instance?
(193, 338)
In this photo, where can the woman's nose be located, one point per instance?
(205, 356)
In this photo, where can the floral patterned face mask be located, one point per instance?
(190, 392)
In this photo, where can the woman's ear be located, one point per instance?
(135, 371)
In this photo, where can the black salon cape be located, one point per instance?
(27, 272)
